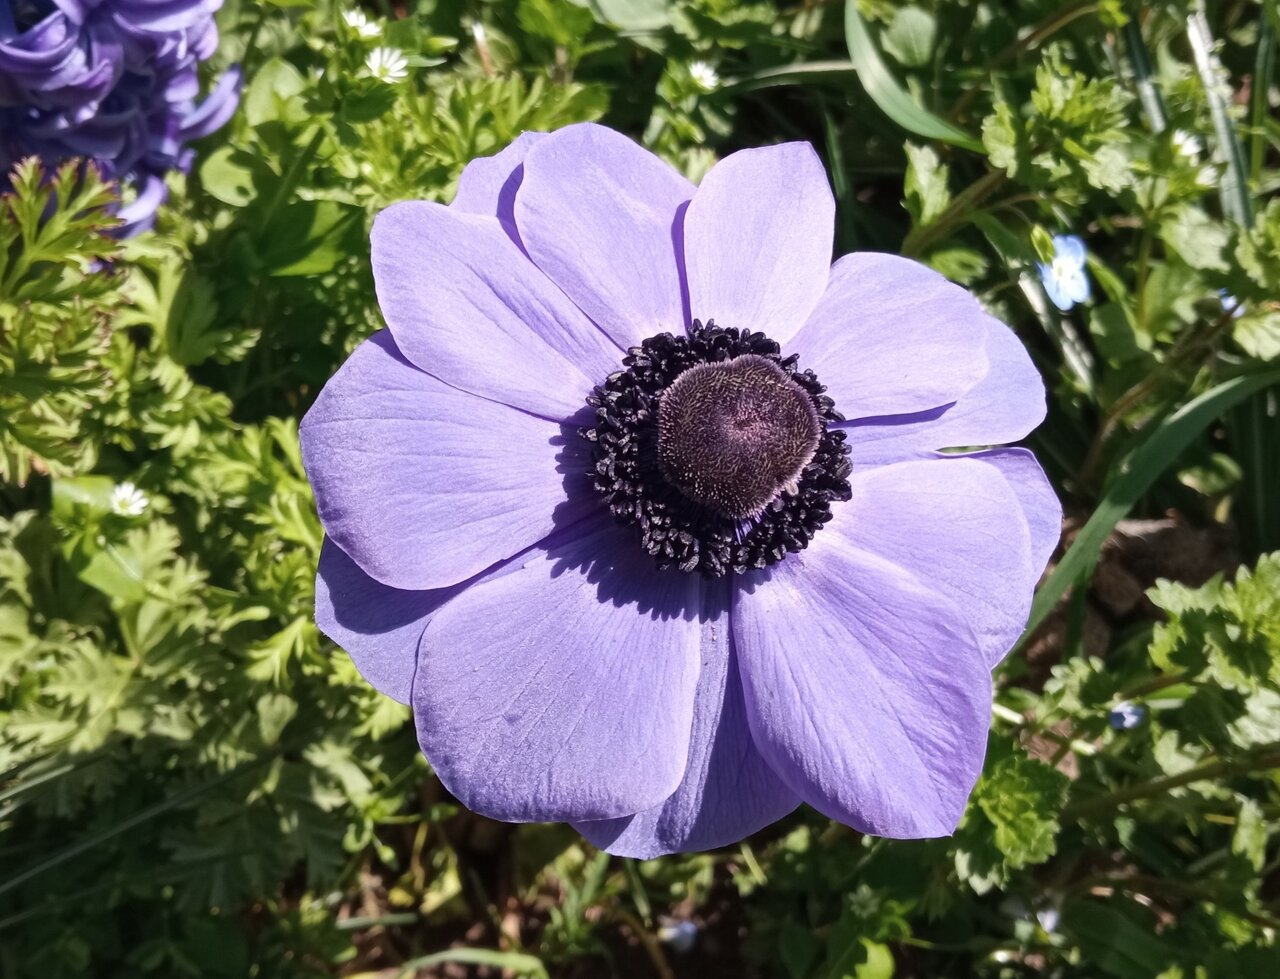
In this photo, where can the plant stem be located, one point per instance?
(1188, 344)
(957, 212)
(1034, 38)
(1264, 759)
(290, 178)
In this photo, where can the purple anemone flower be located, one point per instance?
(639, 500)
(113, 81)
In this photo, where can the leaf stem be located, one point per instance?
(1264, 759)
(956, 213)
(1188, 344)
(290, 178)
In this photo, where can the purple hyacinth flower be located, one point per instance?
(114, 81)
(639, 500)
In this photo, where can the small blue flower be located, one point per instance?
(1232, 306)
(679, 936)
(1064, 278)
(1126, 715)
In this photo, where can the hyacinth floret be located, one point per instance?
(114, 81)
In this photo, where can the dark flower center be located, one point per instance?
(734, 433)
(717, 448)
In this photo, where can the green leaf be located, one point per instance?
(1117, 340)
(799, 73)
(81, 494)
(910, 37)
(310, 237)
(925, 184)
(275, 710)
(559, 21)
(1138, 471)
(798, 948)
(861, 959)
(1000, 132)
(643, 16)
(179, 304)
(228, 174)
(273, 94)
(1022, 797)
(1116, 944)
(367, 101)
(1250, 837)
(1232, 630)
(1259, 334)
(1108, 169)
(95, 839)
(1200, 241)
(959, 264)
(1042, 243)
(885, 91)
(1259, 250)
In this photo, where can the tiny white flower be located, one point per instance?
(128, 501)
(1207, 176)
(1184, 144)
(360, 23)
(704, 75)
(387, 65)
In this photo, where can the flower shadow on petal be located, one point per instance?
(588, 541)
(507, 206)
(677, 242)
(561, 686)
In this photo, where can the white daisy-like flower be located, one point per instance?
(128, 501)
(359, 22)
(1184, 144)
(704, 75)
(387, 65)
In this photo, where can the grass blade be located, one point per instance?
(1236, 203)
(891, 97)
(801, 73)
(137, 819)
(517, 962)
(1161, 448)
(1260, 111)
(1148, 91)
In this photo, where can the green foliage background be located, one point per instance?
(193, 782)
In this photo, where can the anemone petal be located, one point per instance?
(599, 215)
(757, 239)
(564, 688)
(891, 336)
(728, 790)
(424, 485)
